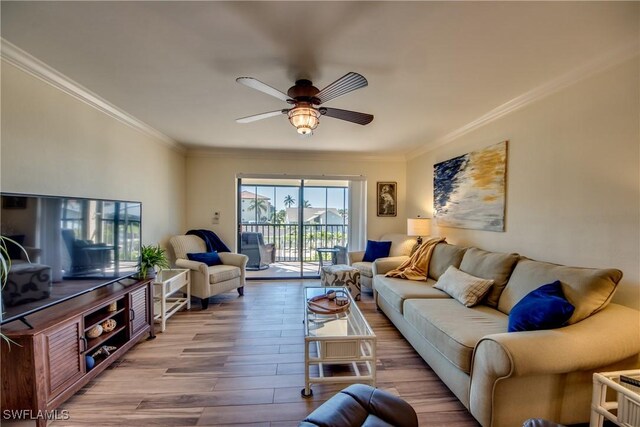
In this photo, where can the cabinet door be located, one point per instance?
(139, 313)
(64, 356)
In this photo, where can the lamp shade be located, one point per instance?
(304, 117)
(418, 226)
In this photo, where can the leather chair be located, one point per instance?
(359, 405)
(539, 422)
(260, 255)
(207, 281)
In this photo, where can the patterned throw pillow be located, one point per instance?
(467, 289)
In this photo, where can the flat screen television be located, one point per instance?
(74, 245)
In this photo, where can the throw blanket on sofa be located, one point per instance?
(211, 239)
(417, 267)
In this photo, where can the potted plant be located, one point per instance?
(5, 266)
(151, 257)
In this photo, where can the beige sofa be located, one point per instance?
(401, 246)
(209, 281)
(505, 378)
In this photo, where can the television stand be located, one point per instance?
(49, 362)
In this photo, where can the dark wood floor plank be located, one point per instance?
(209, 399)
(258, 413)
(248, 383)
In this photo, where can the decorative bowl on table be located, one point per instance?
(330, 303)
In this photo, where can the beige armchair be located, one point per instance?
(209, 281)
(401, 246)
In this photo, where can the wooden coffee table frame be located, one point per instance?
(354, 350)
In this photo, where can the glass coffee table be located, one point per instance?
(337, 339)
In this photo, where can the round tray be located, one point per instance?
(326, 303)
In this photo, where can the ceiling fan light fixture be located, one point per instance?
(304, 118)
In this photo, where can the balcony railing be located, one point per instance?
(285, 237)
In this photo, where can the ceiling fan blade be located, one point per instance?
(261, 116)
(350, 116)
(262, 87)
(345, 84)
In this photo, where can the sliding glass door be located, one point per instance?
(286, 225)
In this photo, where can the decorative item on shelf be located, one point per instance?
(151, 257)
(95, 332)
(113, 306)
(332, 302)
(90, 362)
(104, 351)
(108, 325)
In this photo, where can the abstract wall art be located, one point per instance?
(469, 190)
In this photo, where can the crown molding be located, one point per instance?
(248, 153)
(591, 68)
(33, 66)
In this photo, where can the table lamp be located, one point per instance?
(418, 227)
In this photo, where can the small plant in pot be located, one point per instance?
(5, 266)
(150, 258)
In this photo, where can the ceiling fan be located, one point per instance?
(306, 100)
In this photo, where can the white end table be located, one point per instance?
(167, 283)
(625, 409)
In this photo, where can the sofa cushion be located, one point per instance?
(376, 250)
(442, 257)
(401, 244)
(588, 289)
(395, 291)
(468, 290)
(490, 265)
(543, 308)
(222, 273)
(453, 329)
(365, 268)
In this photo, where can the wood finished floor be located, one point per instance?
(241, 363)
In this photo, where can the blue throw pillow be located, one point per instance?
(209, 258)
(543, 308)
(376, 250)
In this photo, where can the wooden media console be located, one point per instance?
(46, 364)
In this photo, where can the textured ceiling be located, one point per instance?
(432, 67)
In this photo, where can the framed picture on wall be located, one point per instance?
(387, 199)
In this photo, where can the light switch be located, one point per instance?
(216, 217)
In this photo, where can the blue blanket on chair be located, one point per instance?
(211, 239)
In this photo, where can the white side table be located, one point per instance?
(167, 283)
(625, 410)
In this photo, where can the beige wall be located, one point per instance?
(573, 169)
(211, 186)
(52, 143)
